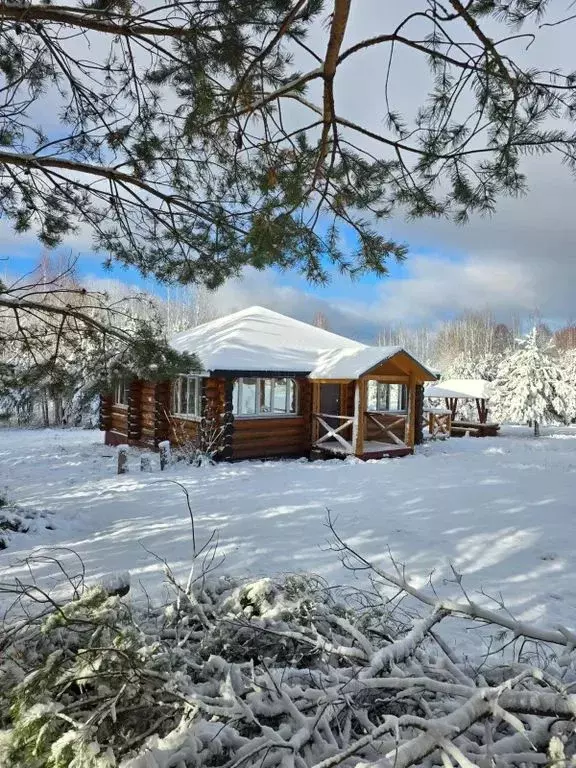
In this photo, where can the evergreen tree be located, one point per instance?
(187, 141)
(190, 145)
(530, 386)
(568, 366)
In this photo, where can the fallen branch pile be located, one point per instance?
(286, 674)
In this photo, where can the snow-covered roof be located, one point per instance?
(259, 339)
(463, 388)
(351, 363)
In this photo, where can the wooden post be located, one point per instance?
(145, 464)
(122, 459)
(315, 409)
(359, 417)
(410, 419)
(164, 449)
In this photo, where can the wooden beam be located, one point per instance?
(389, 378)
(331, 381)
(343, 398)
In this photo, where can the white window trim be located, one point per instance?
(121, 385)
(198, 403)
(258, 379)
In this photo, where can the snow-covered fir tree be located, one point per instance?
(568, 363)
(468, 366)
(531, 385)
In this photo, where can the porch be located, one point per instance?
(348, 420)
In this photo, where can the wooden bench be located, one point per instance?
(474, 429)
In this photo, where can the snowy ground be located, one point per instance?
(502, 510)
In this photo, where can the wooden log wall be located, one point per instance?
(183, 431)
(282, 436)
(134, 414)
(161, 412)
(215, 420)
(118, 430)
(148, 414)
(105, 423)
(227, 392)
(419, 412)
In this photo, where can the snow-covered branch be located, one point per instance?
(277, 674)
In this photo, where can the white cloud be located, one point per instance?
(435, 287)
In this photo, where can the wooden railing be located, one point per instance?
(389, 425)
(334, 433)
(438, 422)
(387, 422)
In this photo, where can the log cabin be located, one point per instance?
(271, 387)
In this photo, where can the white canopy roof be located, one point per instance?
(463, 388)
(258, 339)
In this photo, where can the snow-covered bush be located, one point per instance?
(210, 441)
(531, 386)
(277, 673)
(15, 519)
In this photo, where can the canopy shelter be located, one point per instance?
(455, 390)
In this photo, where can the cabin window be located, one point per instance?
(265, 397)
(387, 397)
(121, 392)
(186, 395)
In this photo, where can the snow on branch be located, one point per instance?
(355, 561)
(284, 673)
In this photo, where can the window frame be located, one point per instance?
(267, 414)
(383, 393)
(121, 389)
(176, 386)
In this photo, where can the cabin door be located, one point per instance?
(330, 398)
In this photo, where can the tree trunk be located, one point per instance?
(45, 410)
(536, 429)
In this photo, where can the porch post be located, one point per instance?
(411, 416)
(315, 409)
(359, 417)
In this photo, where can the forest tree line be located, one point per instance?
(53, 378)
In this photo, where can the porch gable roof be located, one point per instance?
(351, 364)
